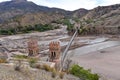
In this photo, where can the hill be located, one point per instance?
(21, 13)
(101, 20)
(21, 16)
(15, 8)
(104, 19)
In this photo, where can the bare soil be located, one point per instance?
(105, 62)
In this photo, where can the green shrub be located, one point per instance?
(89, 21)
(26, 29)
(21, 56)
(82, 73)
(69, 25)
(47, 68)
(38, 66)
(3, 60)
(61, 75)
(54, 74)
(32, 61)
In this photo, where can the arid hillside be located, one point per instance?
(104, 19)
(31, 19)
(21, 13)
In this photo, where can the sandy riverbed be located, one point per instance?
(105, 62)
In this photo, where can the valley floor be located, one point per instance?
(105, 62)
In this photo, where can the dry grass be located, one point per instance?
(7, 72)
(3, 61)
(61, 75)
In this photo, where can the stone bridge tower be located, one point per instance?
(54, 51)
(33, 48)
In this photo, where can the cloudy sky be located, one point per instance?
(73, 4)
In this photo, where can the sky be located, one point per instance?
(73, 4)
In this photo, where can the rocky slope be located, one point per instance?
(101, 10)
(24, 13)
(13, 8)
(18, 12)
(106, 16)
(79, 13)
(101, 20)
(31, 19)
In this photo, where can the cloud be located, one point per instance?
(68, 4)
(4, 0)
(110, 2)
(74, 4)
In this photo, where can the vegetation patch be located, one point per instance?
(32, 61)
(21, 57)
(69, 25)
(27, 29)
(3, 60)
(61, 75)
(82, 73)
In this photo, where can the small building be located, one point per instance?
(33, 48)
(54, 51)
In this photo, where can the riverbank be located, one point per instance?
(105, 62)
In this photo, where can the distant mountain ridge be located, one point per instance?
(101, 10)
(22, 13)
(14, 8)
(105, 16)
